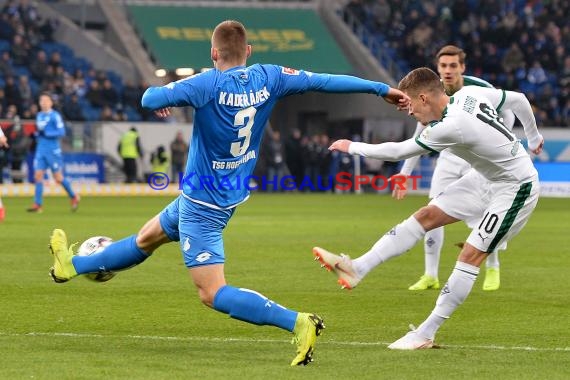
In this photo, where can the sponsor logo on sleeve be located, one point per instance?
(289, 71)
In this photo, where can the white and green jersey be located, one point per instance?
(471, 129)
(455, 163)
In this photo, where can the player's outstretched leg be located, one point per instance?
(307, 328)
(340, 265)
(250, 306)
(62, 270)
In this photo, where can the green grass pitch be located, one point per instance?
(147, 323)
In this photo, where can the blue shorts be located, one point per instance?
(49, 160)
(169, 220)
(200, 229)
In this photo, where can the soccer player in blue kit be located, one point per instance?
(232, 106)
(50, 128)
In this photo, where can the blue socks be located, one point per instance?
(119, 255)
(39, 193)
(67, 186)
(250, 306)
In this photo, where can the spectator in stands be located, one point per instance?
(72, 109)
(30, 113)
(565, 113)
(356, 9)
(512, 58)
(178, 152)
(6, 68)
(107, 114)
(94, 94)
(26, 95)
(120, 114)
(381, 12)
(55, 60)
(564, 76)
(11, 111)
(494, 33)
(79, 85)
(39, 65)
(6, 28)
(19, 148)
(131, 95)
(47, 29)
(59, 79)
(12, 92)
(20, 51)
(109, 94)
(3, 100)
(536, 74)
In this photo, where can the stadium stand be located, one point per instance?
(32, 60)
(516, 45)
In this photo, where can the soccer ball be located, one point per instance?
(93, 245)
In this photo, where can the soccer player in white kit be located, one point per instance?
(468, 125)
(450, 63)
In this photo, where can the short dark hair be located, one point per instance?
(230, 39)
(451, 50)
(421, 79)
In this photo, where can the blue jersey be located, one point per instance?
(231, 110)
(50, 128)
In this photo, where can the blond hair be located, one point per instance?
(230, 40)
(420, 80)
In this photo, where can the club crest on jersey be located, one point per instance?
(289, 71)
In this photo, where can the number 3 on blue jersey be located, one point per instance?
(238, 148)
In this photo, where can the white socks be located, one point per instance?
(433, 241)
(492, 260)
(395, 242)
(452, 295)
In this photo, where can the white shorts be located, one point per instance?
(496, 211)
(448, 169)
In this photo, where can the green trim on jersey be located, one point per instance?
(451, 100)
(510, 216)
(425, 146)
(468, 80)
(502, 101)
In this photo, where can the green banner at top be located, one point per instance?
(180, 37)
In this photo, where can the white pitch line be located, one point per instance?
(321, 342)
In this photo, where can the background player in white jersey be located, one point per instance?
(232, 105)
(467, 124)
(450, 63)
(3, 144)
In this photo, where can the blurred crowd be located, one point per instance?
(32, 62)
(521, 45)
